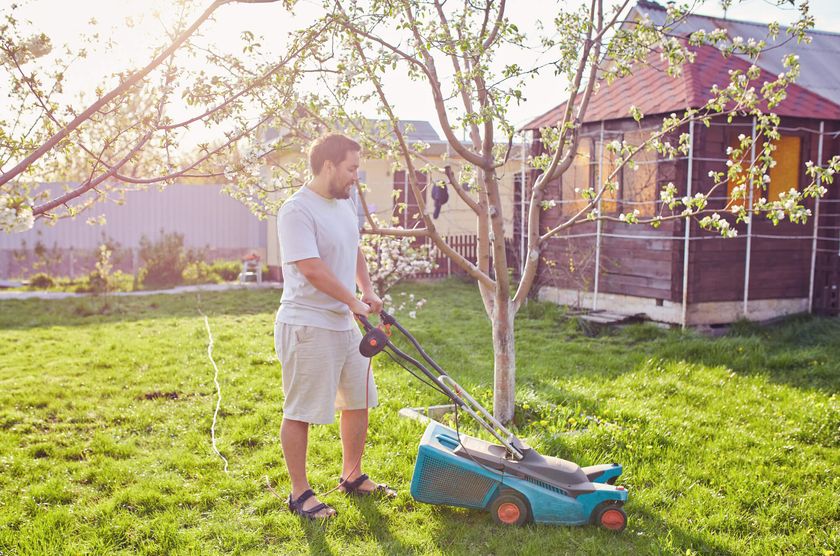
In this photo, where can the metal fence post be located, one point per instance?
(687, 225)
(749, 228)
(816, 225)
(522, 191)
(598, 223)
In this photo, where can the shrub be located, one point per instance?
(199, 272)
(100, 278)
(228, 271)
(164, 260)
(97, 283)
(41, 281)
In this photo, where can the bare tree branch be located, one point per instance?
(120, 89)
(450, 176)
(491, 38)
(475, 136)
(532, 256)
(440, 107)
(312, 34)
(90, 184)
(471, 269)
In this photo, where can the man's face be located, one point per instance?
(344, 176)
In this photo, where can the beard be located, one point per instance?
(339, 191)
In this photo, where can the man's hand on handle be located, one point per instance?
(360, 308)
(373, 300)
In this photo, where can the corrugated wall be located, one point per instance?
(206, 217)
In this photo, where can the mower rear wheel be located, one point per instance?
(509, 508)
(611, 517)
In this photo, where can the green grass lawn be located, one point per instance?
(729, 445)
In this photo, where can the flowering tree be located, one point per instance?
(593, 44)
(349, 51)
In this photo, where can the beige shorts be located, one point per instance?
(323, 372)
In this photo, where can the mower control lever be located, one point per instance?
(384, 318)
(387, 318)
(365, 322)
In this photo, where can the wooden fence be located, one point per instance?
(465, 245)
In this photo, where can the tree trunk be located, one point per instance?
(504, 362)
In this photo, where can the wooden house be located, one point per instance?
(680, 273)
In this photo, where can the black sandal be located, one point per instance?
(352, 488)
(296, 507)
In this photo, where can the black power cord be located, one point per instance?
(422, 379)
(466, 451)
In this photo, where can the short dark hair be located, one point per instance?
(333, 147)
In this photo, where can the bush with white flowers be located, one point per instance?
(391, 260)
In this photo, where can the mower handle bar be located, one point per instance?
(462, 398)
(388, 319)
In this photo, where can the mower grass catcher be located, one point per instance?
(510, 480)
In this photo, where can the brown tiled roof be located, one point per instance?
(653, 91)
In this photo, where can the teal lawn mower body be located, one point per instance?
(446, 474)
(510, 480)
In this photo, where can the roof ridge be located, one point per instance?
(647, 4)
(737, 60)
(653, 93)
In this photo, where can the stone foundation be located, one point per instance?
(698, 314)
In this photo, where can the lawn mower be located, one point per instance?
(509, 479)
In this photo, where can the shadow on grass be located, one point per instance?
(379, 526)
(475, 533)
(800, 351)
(668, 537)
(314, 531)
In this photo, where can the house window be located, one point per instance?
(609, 199)
(406, 208)
(576, 179)
(639, 185)
(784, 176)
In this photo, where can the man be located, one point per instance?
(315, 334)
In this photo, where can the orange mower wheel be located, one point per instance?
(612, 518)
(509, 508)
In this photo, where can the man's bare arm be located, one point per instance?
(319, 275)
(363, 281)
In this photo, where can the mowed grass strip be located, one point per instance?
(730, 445)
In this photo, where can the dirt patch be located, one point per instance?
(158, 394)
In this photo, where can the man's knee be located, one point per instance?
(294, 422)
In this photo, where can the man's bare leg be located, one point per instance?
(294, 438)
(354, 425)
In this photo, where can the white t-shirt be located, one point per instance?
(308, 226)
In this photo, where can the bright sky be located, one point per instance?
(135, 27)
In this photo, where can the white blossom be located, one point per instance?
(15, 219)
